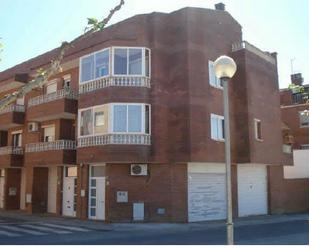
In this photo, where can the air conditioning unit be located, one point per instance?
(139, 170)
(33, 126)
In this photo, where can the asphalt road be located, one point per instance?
(67, 232)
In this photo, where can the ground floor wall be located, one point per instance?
(287, 195)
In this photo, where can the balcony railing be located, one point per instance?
(246, 45)
(300, 98)
(60, 94)
(13, 108)
(11, 150)
(134, 81)
(129, 139)
(55, 145)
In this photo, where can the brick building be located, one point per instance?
(132, 129)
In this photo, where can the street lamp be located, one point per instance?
(225, 68)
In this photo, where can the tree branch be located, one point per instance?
(55, 65)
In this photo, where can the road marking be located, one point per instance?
(78, 229)
(9, 234)
(45, 229)
(23, 230)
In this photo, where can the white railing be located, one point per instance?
(246, 45)
(10, 150)
(106, 81)
(60, 94)
(55, 145)
(13, 108)
(129, 139)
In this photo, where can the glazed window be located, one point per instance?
(86, 124)
(213, 80)
(303, 119)
(131, 118)
(70, 171)
(17, 139)
(49, 133)
(217, 127)
(258, 129)
(94, 66)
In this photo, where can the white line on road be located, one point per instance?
(23, 230)
(45, 229)
(9, 234)
(78, 229)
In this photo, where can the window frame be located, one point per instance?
(256, 133)
(218, 81)
(217, 117)
(13, 134)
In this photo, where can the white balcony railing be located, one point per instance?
(60, 94)
(55, 145)
(246, 45)
(106, 81)
(10, 150)
(13, 108)
(128, 139)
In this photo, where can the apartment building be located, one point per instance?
(132, 129)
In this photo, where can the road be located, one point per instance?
(67, 231)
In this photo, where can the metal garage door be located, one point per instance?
(206, 196)
(252, 190)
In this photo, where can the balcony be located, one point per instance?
(11, 156)
(12, 116)
(114, 147)
(249, 47)
(60, 104)
(51, 153)
(107, 81)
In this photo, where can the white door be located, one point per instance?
(69, 191)
(97, 193)
(206, 196)
(2, 189)
(252, 190)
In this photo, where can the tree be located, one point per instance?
(43, 75)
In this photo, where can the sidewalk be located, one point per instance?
(21, 217)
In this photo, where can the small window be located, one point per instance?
(51, 88)
(120, 61)
(303, 119)
(99, 119)
(97, 171)
(66, 81)
(17, 139)
(258, 129)
(213, 80)
(102, 63)
(87, 68)
(217, 127)
(70, 171)
(49, 134)
(2, 172)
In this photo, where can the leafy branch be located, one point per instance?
(55, 65)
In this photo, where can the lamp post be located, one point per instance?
(225, 68)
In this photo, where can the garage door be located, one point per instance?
(206, 196)
(252, 190)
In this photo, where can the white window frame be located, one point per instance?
(94, 71)
(217, 82)
(217, 117)
(21, 137)
(300, 125)
(256, 121)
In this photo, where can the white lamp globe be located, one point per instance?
(225, 67)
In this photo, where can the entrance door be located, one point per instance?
(97, 193)
(69, 191)
(2, 188)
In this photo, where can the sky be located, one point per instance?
(31, 27)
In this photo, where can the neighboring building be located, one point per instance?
(132, 129)
(294, 180)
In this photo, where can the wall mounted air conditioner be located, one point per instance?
(139, 169)
(33, 126)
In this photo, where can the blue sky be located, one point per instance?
(31, 27)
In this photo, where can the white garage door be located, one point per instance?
(206, 196)
(252, 190)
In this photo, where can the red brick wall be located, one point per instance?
(287, 195)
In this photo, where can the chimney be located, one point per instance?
(297, 79)
(220, 6)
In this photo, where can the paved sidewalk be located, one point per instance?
(19, 216)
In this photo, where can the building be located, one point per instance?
(132, 129)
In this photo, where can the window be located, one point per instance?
(303, 119)
(102, 63)
(20, 101)
(49, 133)
(304, 146)
(213, 80)
(17, 139)
(99, 119)
(97, 171)
(120, 61)
(258, 129)
(217, 127)
(86, 122)
(2, 172)
(66, 81)
(87, 68)
(51, 88)
(70, 171)
(131, 118)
